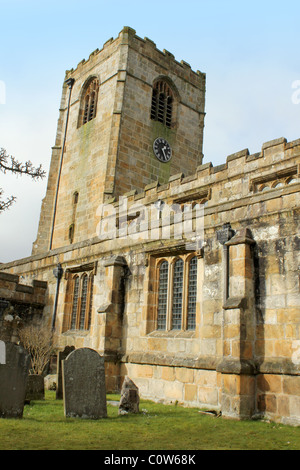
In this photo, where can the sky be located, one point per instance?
(248, 50)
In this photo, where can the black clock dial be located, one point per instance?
(162, 150)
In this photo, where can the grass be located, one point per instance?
(156, 427)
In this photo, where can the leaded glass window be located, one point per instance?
(162, 296)
(91, 301)
(75, 303)
(177, 295)
(192, 294)
(84, 289)
(78, 300)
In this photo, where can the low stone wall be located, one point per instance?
(19, 304)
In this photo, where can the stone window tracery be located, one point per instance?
(177, 293)
(78, 300)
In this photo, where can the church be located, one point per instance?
(183, 276)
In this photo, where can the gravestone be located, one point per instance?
(84, 389)
(2, 352)
(130, 400)
(35, 389)
(13, 379)
(61, 356)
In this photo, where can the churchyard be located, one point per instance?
(155, 427)
(88, 418)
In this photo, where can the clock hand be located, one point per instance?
(163, 151)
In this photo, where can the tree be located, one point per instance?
(8, 163)
(38, 341)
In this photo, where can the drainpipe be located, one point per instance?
(58, 272)
(70, 83)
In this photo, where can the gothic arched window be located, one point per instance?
(78, 300)
(89, 99)
(176, 293)
(162, 103)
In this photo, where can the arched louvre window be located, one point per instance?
(89, 102)
(75, 303)
(162, 103)
(162, 296)
(192, 294)
(177, 295)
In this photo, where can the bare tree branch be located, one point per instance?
(6, 204)
(11, 164)
(38, 341)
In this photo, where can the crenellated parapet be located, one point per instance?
(243, 175)
(129, 37)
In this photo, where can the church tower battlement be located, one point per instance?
(130, 115)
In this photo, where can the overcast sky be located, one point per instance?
(248, 50)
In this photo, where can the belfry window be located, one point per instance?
(89, 102)
(177, 293)
(162, 103)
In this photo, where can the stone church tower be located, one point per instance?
(113, 108)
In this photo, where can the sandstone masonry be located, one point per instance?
(241, 354)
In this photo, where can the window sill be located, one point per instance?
(172, 334)
(76, 333)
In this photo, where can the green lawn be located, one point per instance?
(156, 427)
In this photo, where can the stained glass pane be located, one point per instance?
(192, 294)
(162, 296)
(177, 295)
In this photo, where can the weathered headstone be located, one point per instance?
(35, 389)
(50, 382)
(84, 390)
(61, 356)
(2, 353)
(130, 400)
(13, 379)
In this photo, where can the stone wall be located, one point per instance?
(19, 304)
(243, 357)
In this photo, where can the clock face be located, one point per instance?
(162, 150)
